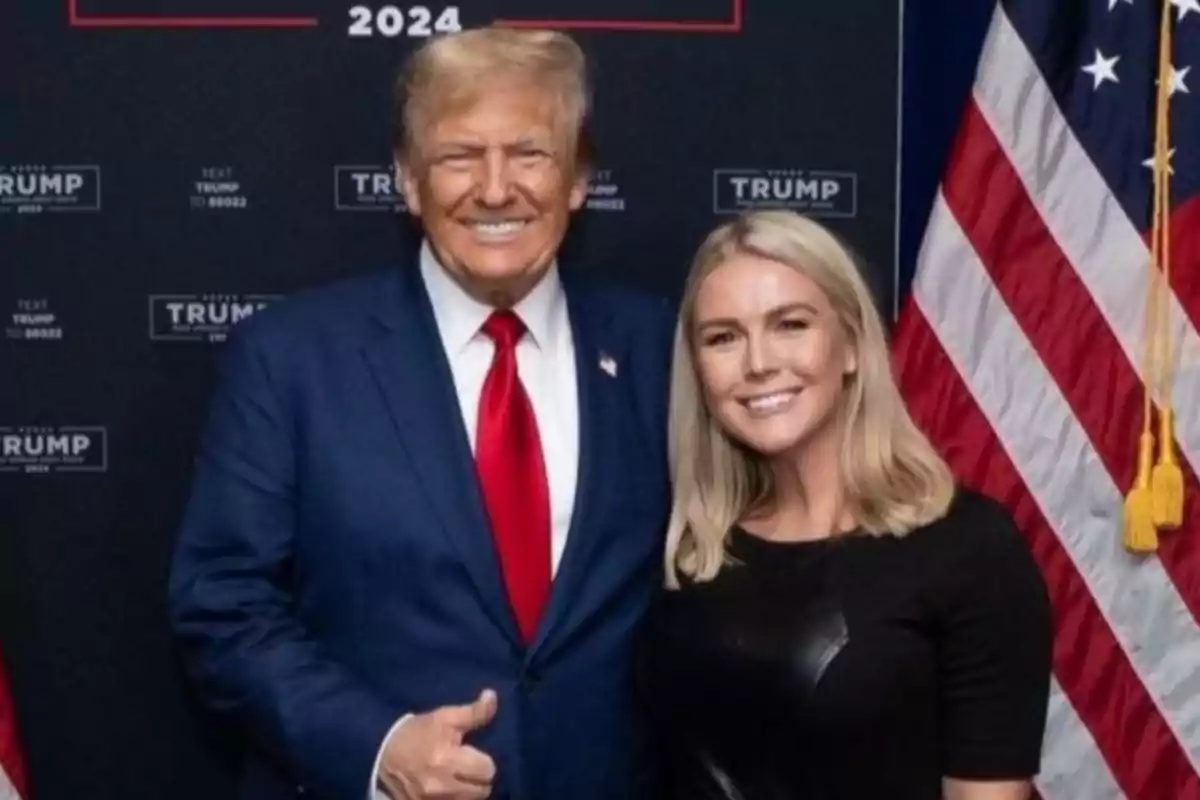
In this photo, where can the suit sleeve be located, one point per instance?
(656, 347)
(231, 602)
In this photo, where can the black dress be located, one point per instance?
(854, 668)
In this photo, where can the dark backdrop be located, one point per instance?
(165, 170)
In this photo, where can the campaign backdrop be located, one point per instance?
(170, 167)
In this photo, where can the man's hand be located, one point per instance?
(425, 758)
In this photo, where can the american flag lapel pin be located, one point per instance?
(608, 364)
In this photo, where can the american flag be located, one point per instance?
(1019, 351)
(12, 773)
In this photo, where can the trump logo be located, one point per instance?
(34, 188)
(817, 193)
(367, 188)
(42, 450)
(201, 317)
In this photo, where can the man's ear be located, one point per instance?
(585, 170)
(579, 188)
(405, 182)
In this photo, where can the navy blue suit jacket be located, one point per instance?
(335, 569)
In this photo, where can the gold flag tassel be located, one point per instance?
(1166, 481)
(1151, 482)
(1140, 534)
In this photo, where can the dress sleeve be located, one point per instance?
(994, 653)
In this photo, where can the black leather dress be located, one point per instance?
(853, 668)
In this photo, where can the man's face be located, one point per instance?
(494, 190)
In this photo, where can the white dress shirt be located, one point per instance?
(545, 364)
(546, 367)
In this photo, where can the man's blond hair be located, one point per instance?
(449, 73)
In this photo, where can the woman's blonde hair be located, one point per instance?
(449, 73)
(892, 478)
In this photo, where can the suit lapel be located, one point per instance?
(411, 370)
(597, 454)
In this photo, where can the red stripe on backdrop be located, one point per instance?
(1185, 257)
(1181, 547)
(10, 750)
(1069, 334)
(1093, 671)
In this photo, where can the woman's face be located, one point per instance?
(770, 353)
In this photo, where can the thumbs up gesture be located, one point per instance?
(425, 758)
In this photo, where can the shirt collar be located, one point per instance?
(460, 316)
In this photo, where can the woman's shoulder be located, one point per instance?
(979, 551)
(977, 532)
(973, 521)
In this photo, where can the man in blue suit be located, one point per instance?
(429, 506)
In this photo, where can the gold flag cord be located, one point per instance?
(1155, 501)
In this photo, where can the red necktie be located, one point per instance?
(512, 474)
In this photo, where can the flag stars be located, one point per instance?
(1149, 162)
(1177, 76)
(1103, 69)
(1185, 6)
(1113, 3)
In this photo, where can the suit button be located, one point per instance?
(530, 679)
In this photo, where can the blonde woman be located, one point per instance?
(840, 620)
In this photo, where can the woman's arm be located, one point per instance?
(994, 660)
